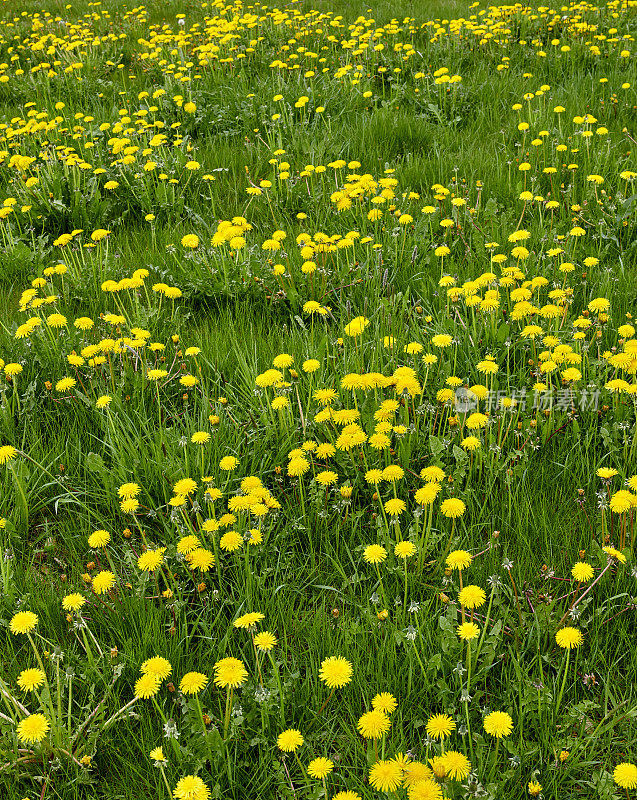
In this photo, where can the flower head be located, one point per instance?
(456, 764)
(625, 775)
(64, 384)
(265, 641)
(439, 726)
(427, 493)
(7, 452)
(374, 554)
(336, 672)
(432, 474)
(405, 549)
(290, 740)
(231, 541)
(621, 501)
(582, 572)
(73, 602)
(438, 767)
(498, 724)
(147, 686)
(128, 490)
(103, 582)
(30, 679)
(185, 486)
(319, 768)
(201, 559)
(467, 631)
(157, 666)
(190, 240)
(616, 554)
(414, 772)
(386, 776)
(230, 673)
(151, 559)
(569, 637)
(452, 507)
(157, 755)
(191, 787)
(187, 544)
(426, 790)
(249, 620)
(459, 559)
(373, 724)
(33, 728)
(23, 622)
(99, 539)
(193, 682)
(356, 326)
(472, 596)
(384, 702)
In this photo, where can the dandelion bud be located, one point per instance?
(438, 767)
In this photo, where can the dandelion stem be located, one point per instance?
(327, 700)
(560, 695)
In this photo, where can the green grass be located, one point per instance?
(533, 503)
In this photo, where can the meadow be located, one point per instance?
(318, 395)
